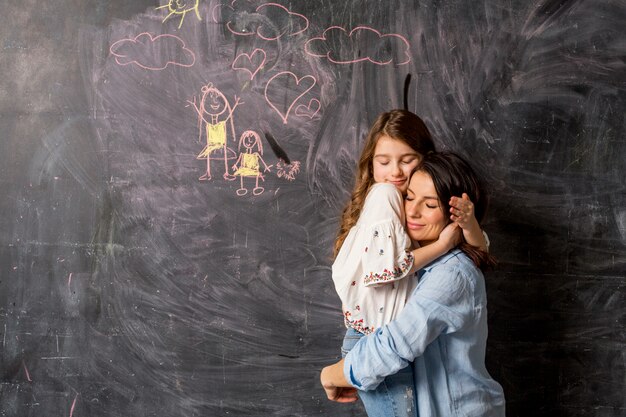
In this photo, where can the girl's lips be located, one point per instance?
(398, 183)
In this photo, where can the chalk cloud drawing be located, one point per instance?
(362, 43)
(250, 63)
(214, 111)
(269, 21)
(284, 89)
(153, 52)
(248, 164)
(309, 110)
(181, 8)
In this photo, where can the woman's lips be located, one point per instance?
(414, 226)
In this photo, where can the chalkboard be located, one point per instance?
(172, 175)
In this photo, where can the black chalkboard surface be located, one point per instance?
(148, 268)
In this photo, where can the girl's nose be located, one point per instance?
(396, 170)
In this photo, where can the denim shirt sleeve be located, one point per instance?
(442, 303)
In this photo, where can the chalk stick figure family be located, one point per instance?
(215, 121)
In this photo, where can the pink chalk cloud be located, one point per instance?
(153, 52)
(360, 44)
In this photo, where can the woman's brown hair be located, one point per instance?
(453, 176)
(398, 124)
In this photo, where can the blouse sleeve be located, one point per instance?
(486, 239)
(386, 254)
(442, 305)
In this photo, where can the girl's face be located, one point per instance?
(393, 162)
(424, 216)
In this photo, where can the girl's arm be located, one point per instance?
(450, 237)
(462, 213)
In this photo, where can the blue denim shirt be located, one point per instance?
(442, 333)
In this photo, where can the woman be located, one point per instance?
(442, 331)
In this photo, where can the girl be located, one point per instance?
(442, 331)
(374, 259)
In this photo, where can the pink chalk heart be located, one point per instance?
(282, 90)
(309, 110)
(251, 63)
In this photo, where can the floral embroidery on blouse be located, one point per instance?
(388, 274)
(356, 324)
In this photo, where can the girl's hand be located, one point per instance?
(462, 211)
(450, 236)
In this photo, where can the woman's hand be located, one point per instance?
(336, 387)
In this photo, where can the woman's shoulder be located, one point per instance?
(454, 275)
(455, 262)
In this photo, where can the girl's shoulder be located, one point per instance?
(384, 191)
(383, 202)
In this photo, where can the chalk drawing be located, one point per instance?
(286, 170)
(181, 8)
(243, 23)
(362, 43)
(153, 52)
(283, 79)
(247, 165)
(250, 63)
(214, 111)
(309, 110)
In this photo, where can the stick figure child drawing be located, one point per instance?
(214, 106)
(247, 164)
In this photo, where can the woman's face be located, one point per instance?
(393, 162)
(424, 215)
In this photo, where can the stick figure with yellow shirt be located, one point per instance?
(247, 164)
(214, 104)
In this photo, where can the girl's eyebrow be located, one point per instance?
(401, 156)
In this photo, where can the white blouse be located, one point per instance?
(372, 261)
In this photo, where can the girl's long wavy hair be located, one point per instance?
(453, 176)
(398, 124)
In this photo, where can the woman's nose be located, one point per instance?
(411, 210)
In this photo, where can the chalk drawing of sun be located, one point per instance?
(181, 8)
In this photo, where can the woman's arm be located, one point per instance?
(442, 303)
(335, 384)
